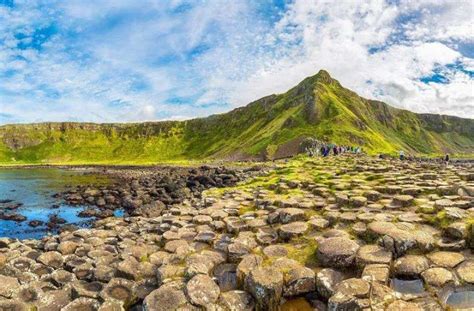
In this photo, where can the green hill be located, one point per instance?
(270, 127)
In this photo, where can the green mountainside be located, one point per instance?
(270, 127)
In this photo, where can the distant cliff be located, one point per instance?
(318, 107)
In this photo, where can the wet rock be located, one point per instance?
(266, 286)
(35, 223)
(337, 252)
(202, 290)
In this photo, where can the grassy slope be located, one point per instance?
(319, 106)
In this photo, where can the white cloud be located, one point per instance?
(144, 54)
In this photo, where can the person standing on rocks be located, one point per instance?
(446, 159)
(402, 155)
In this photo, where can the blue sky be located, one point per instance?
(123, 60)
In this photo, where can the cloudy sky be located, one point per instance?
(133, 60)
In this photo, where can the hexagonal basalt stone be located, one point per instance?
(237, 300)
(337, 252)
(466, 271)
(202, 290)
(169, 296)
(9, 286)
(326, 281)
(82, 304)
(372, 254)
(446, 259)
(437, 277)
(376, 272)
(86, 289)
(52, 259)
(266, 286)
(120, 290)
(410, 266)
(291, 214)
(292, 230)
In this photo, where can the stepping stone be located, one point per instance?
(372, 254)
(9, 286)
(237, 300)
(376, 272)
(446, 259)
(169, 296)
(119, 290)
(202, 290)
(298, 280)
(52, 259)
(266, 286)
(292, 230)
(326, 281)
(437, 277)
(246, 265)
(275, 251)
(403, 200)
(82, 304)
(288, 215)
(466, 271)
(318, 223)
(410, 266)
(337, 252)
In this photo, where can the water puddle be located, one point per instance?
(298, 304)
(459, 298)
(408, 286)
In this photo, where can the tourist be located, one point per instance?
(446, 159)
(402, 155)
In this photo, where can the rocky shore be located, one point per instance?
(342, 233)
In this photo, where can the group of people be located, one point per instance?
(444, 159)
(327, 149)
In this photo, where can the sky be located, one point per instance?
(143, 60)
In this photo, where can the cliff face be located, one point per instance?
(269, 127)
